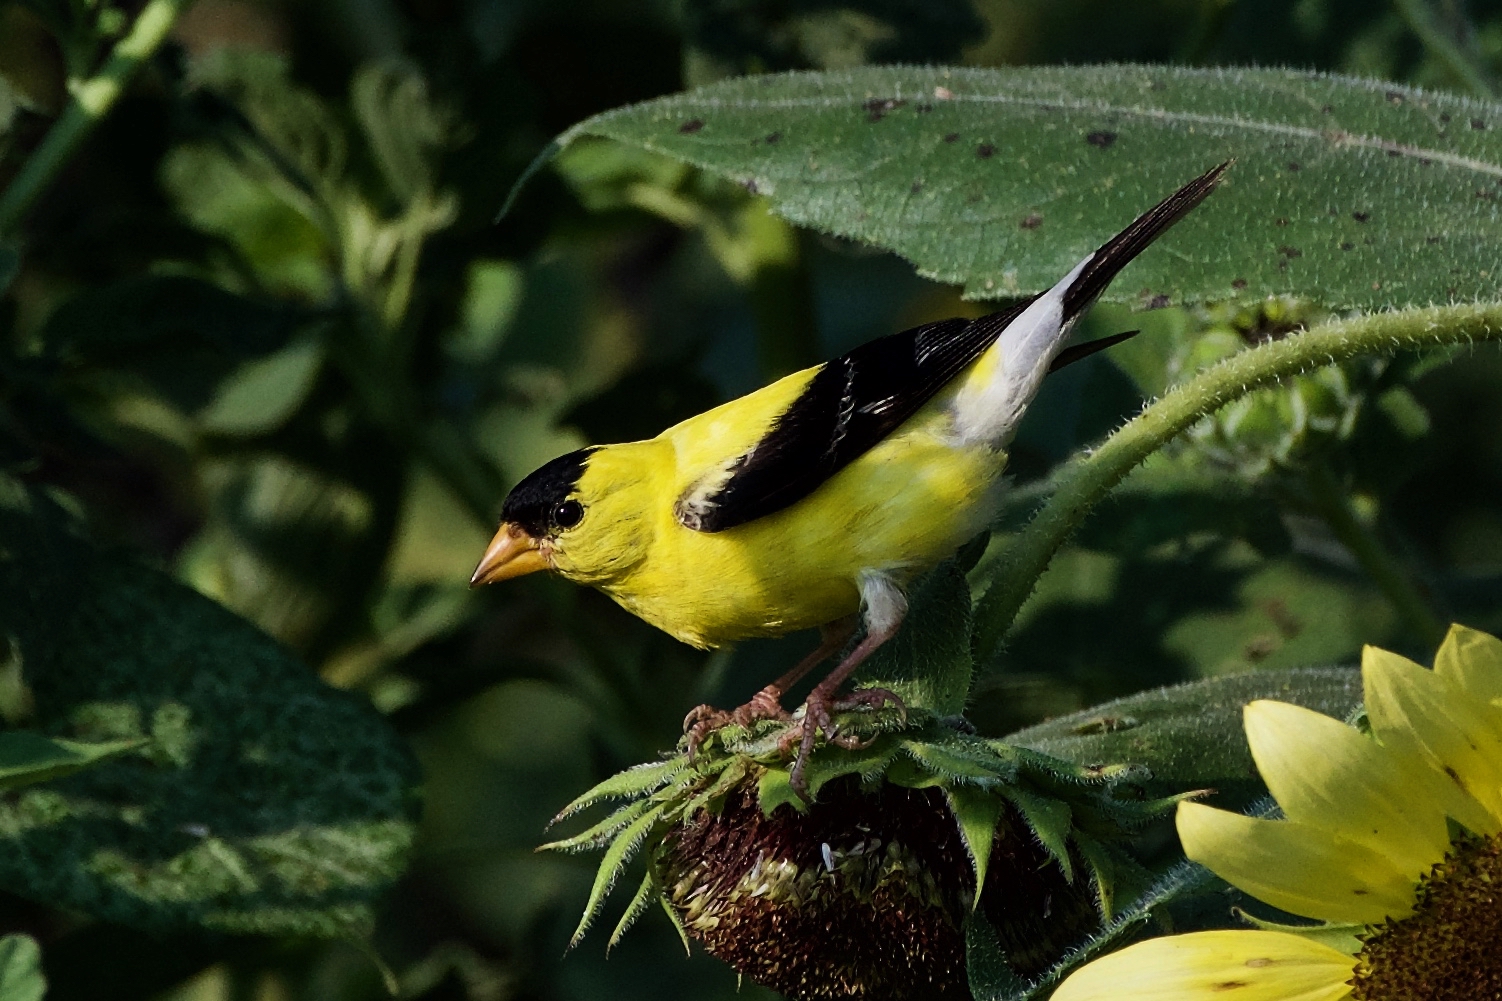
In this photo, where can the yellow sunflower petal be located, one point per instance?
(1416, 712)
(1301, 869)
(1331, 776)
(1472, 661)
(1214, 966)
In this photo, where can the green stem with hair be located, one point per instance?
(1333, 504)
(1088, 479)
(91, 100)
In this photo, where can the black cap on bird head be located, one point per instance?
(537, 509)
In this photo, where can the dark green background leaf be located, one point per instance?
(10, 262)
(21, 969)
(1354, 192)
(27, 757)
(265, 800)
(181, 334)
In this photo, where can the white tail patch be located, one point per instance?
(1001, 385)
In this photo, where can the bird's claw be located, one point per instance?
(703, 720)
(818, 717)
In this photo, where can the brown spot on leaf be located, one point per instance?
(1433, 239)
(923, 108)
(1280, 222)
(917, 187)
(1444, 116)
(1361, 216)
(879, 107)
(1230, 985)
(1277, 609)
(1158, 301)
(1104, 724)
(985, 151)
(775, 137)
(1032, 221)
(1347, 246)
(1294, 167)
(1290, 252)
(952, 137)
(750, 185)
(1260, 647)
(1101, 139)
(1239, 283)
(691, 126)
(1394, 152)
(1326, 110)
(1478, 125)
(1393, 97)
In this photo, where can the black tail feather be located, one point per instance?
(1079, 352)
(1118, 252)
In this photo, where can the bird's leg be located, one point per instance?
(767, 703)
(885, 610)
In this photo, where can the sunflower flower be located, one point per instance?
(1391, 840)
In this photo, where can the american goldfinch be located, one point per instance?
(812, 503)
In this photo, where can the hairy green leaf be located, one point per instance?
(21, 969)
(27, 757)
(637, 780)
(621, 851)
(1353, 192)
(977, 812)
(991, 977)
(1190, 736)
(261, 799)
(602, 832)
(1050, 821)
(634, 910)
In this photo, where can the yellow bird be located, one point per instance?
(814, 501)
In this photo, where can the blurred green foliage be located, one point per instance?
(263, 340)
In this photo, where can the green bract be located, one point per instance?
(1078, 815)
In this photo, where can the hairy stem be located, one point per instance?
(1088, 479)
(1385, 570)
(91, 100)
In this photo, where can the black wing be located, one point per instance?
(851, 404)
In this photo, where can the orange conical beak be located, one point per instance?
(511, 553)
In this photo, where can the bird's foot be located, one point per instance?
(818, 717)
(703, 720)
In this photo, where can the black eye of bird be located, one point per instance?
(568, 514)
